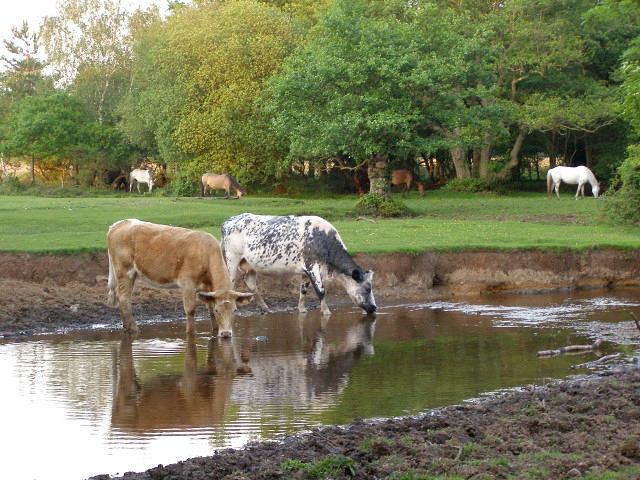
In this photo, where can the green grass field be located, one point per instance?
(443, 221)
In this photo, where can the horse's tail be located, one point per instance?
(202, 186)
(549, 182)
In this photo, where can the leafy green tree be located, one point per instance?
(198, 85)
(347, 91)
(21, 75)
(45, 127)
(623, 199)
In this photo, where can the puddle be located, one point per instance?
(98, 401)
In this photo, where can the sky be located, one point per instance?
(14, 12)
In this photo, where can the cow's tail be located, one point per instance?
(112, 299)
(549, 183)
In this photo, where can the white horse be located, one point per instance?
(571, 175)
(141, 176)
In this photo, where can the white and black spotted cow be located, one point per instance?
(307, 245)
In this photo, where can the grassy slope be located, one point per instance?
(444, 221)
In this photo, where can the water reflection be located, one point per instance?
(199, 396)
(119, 403)
(193, 399)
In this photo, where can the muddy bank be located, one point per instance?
(41, 293)
(582, 428)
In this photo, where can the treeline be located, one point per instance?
(269, 89)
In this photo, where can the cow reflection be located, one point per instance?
(195, 398)
(247, 370)
(311, 378)
(327, 365)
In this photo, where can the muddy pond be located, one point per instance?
(97, 401)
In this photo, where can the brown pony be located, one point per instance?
(225, 181)
(405, 177)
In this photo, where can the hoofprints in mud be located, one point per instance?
(40, 293)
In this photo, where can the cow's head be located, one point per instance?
(360, 289)
(224, 306)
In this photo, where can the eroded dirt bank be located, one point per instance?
(40, 293)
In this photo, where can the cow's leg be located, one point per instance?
(189, 301)
(304, 286)
(214, 320)
(316, 281)
(250, 278)
(125, 287)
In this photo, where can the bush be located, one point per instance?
(11, 186)
(379, 206)
(622, 201)
(186, 184)
(472, 185)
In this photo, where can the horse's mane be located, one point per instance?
(235, 184)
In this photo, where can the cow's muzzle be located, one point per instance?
(369, 308)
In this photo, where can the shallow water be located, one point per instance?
(99, 401)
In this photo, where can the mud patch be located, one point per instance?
(585, 426)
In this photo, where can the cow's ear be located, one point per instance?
(243, 298)
(356, 274)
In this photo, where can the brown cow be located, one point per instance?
(171, 257)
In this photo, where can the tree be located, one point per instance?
(44, 127)
(198, 85)
(349, 91)
(89, 46)
(21, 76)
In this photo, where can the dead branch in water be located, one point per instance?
(570, 349)
(367, 219)
(635, 319)
(605, 359)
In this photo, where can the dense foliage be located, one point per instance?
(273, 90)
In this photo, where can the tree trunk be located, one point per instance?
(33, 166)
(460, 163)
(378, 176)
(515, 151)
(551, 148)
(459, 158)
(475, 162)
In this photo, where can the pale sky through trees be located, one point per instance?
(14, 12)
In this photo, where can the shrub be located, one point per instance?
(376, 205)
(186, 184)
(11, 186)
(472, 185)
(622, 200)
